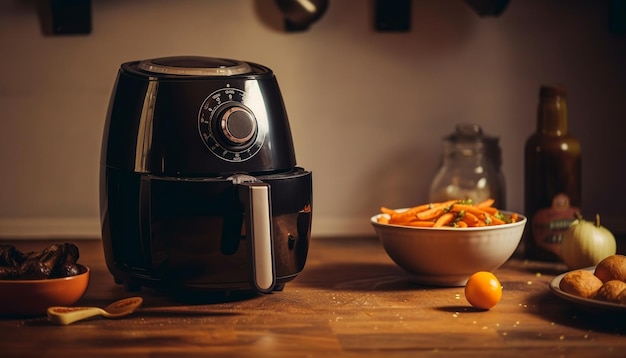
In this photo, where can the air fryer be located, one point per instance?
(199, 186)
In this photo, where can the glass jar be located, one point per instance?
(471, 168)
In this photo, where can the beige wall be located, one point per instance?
(367, 109)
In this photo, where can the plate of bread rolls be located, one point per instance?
(602, 286)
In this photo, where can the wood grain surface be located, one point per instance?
(350, 300)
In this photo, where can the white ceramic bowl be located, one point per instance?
(448, 256)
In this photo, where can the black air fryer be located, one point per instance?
(199, 186)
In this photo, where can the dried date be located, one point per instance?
(58, 260)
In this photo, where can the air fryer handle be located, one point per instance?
(256, 200)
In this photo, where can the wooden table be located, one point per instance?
(350, 300)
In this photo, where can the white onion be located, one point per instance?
(586, 243)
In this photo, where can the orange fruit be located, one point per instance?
(483, 290)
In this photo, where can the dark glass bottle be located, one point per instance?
(552, 170)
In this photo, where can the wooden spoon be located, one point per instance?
(117, 309)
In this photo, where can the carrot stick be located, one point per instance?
(461, 224)
(444, 219)
(495, 221)
(446, 203)
(470, 219)
(470, 209)
(491, 210)
(417, 209)
(486, 203)
(420, 223)
(429, 214)
(408, 215)
(436, 210)
(459, 212)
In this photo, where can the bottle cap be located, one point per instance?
(552, 91)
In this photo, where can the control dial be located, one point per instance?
(237, 125)
(228, 128)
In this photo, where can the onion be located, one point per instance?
(586, 243)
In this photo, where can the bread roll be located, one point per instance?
(580, 283)
(611, 291)
(612, 268)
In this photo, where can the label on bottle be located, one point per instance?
(550, 224)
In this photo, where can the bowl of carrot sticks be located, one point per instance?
(442, 244)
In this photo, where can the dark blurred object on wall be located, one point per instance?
(488, 7)
(393, 15)
(617, 16)
(301, 14)
(65, 17)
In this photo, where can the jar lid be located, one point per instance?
(466, 132)
(471, 134)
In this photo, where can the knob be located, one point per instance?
(238, 125)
